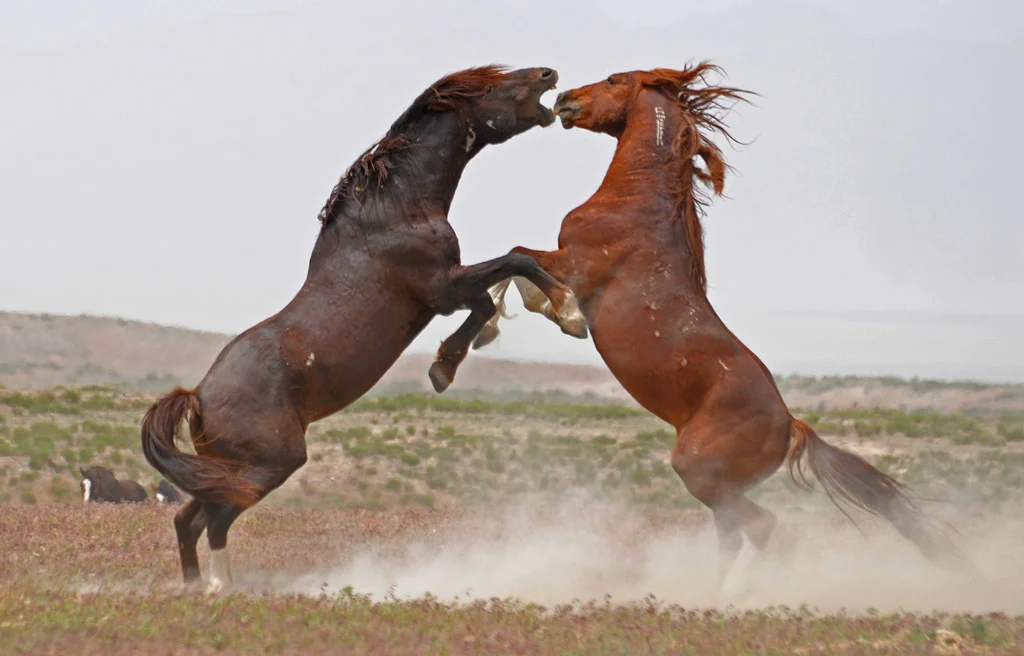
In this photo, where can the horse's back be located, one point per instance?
(132, 492)
(323, 351)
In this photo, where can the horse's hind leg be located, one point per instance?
(189, 523)
(279, 461)
(220, 518)
(728, 525)
(758, 523)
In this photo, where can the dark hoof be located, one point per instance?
(438, 378)
(487, 334)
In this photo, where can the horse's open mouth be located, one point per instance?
(547, 116)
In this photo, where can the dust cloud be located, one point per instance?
(577, 551)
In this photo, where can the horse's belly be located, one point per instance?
(645, 342)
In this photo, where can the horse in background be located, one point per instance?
(164, 492)
(385, 263)
(633, 254)
(99, 485)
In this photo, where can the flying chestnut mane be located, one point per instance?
(703, 107)
(371, 169)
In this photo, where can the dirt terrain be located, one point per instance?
(426, 524)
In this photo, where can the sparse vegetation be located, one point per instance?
(417, 448)
(422, 456)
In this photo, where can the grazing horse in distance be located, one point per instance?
(167, 493)
(385, 263)
(633, 254)
(100, 485)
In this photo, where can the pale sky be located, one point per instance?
(165, 161)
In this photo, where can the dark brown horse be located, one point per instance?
(164, 492)
(100, 486)
(385, 263)
(634, 256)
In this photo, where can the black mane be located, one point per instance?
(370, 170)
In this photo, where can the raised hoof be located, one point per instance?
(438, 378)
(487, 334)
(571, 320)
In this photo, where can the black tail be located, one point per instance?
(207, 479)
(850, 479)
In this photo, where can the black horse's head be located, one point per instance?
(466, 110)
(499, 104)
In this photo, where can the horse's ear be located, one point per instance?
(81, 471)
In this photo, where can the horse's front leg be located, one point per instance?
(481, 327)
(453, 350)
(469, 283)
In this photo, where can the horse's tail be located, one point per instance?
(208, 479)
(850, 479)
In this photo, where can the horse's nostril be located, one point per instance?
(545, 73)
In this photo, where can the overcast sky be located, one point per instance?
(165, 160)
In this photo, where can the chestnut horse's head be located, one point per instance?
(499, 104)
(604, 106)
(684, 125)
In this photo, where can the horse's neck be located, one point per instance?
(655, 181)
(644, 165)
(428, 172)
(421, 182)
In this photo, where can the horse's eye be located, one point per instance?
(488, 90)
(611, 80)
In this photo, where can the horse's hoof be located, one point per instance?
(571, 320)
(487, 334)
(216, 586)
(438, 378)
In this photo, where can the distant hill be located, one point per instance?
(43, 350)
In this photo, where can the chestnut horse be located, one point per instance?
(385, 263)
(633, 254)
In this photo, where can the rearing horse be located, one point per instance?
(634, 256)
(385, 263)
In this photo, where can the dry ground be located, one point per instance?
(424, 525)
(103, 580)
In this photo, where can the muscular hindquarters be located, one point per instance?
(737, 438)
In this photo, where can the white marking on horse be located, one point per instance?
(490, 124)
(310, 359)
(220, 570)
(470, 140)
(724, 366)
(86, 490)
(160, 498)
(657, 333)
(659, 115)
